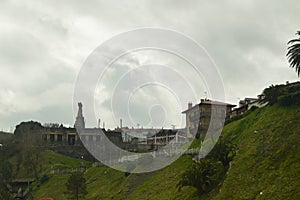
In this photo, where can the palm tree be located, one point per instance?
(293, 53)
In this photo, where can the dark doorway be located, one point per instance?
(71, 139)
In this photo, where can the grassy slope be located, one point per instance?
(104, 183)
(107, 183)
(267, 161)
(50, 161)
(162, 185)
(267, 165)
(55, 186)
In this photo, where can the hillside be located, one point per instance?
(267, 166)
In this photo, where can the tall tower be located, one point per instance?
(79, 123)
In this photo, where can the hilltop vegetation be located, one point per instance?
(285, 95)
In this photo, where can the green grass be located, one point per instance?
(105, 183)
(49, 161)
(54, 160)
(54, 188)
(267, 166)
(162, 185)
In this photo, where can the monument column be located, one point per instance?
(79, 123)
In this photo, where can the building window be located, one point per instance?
(59, 138)
(71, 139)
(52, 137)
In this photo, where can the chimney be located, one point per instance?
(190, 105)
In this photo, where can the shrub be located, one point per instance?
(208, 172)
(290, 99)
(240, 116)
(253, 108)
(203, 175)
(273, 94)
(223, 151)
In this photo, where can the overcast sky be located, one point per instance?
(43, 45)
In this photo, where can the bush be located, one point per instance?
(223, 151)
(253, 108)
(273, 94)
(290, 99)
(203, 175)
(208, 172)
(240, 116)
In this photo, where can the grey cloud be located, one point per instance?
(18, 50)
(44, 43)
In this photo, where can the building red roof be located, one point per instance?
(209, 102)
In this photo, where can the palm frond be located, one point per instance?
(293, 54)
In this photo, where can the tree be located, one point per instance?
(76, 186)
(284, 94)
(271, 94)
(293, 53)
(29, 133)
(5, 176)
(32, 157)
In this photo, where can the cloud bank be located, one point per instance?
(43, 45)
